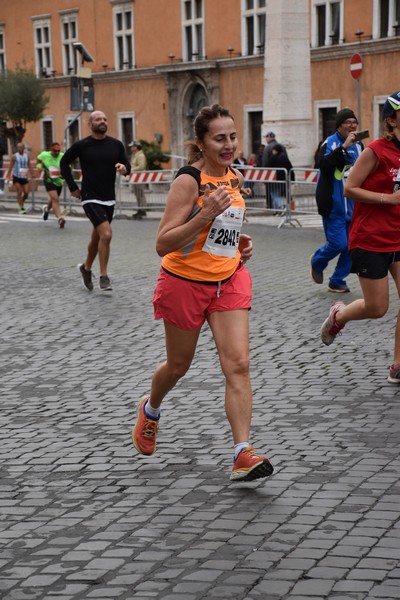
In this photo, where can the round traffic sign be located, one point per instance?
(356, 66)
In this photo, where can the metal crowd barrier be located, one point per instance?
(8, 192)
(269, 192)
(296, 188)
(303, 191)
(275, 192)
(155, 185)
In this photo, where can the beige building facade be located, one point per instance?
(277, 64)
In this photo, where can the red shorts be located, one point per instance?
(186, 304)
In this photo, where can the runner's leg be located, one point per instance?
(231, 334)
(180, 347)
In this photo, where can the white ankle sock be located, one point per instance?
(239, 447)
(153, 413)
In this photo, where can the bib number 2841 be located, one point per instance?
(227, 237)
(224, 234)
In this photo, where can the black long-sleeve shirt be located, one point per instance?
(97, 159)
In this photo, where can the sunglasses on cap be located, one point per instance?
(394, 103)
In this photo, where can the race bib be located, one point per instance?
(54, 172)
(396, 181)
(23, 173)
(224, 234)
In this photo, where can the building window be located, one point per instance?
(123, 36)
(253, 26)
(396, 17)
(193, 30)
(42, 41)
(69, 34)
(378, 125)
(2, 50)
(47, 133)
(327, 118)
(327, 22)
(325, 114)
(386, 18)
(126, 129)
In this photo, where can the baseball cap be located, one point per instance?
(270, 134)
(391, 105)
(135, 143)
(343, 115)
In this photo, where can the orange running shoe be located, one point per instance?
(249, 466)
(145, 430)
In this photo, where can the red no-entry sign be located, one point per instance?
(356, 66)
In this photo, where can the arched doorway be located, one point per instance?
(197, 98)
(188, 92)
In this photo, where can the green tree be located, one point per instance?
(22, 101)
(154, 155)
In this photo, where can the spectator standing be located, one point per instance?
(139, 163)
(259, 154)
(20, 170)
(101, 158)
(317, 155)
(3, 150)
(203, 277)
(240, 161)
(249, 185)
(374, 242)
(271, 140)
(338, 153)
(279, 160)
(252, 160)
(50, 160)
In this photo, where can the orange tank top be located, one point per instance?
(214, 254)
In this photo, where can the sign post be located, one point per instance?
(356, 67)
(82, 93)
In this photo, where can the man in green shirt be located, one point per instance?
(49, 160)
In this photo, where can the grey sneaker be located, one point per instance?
(105, 284)
(87, 277)
(330, 329)
(316, 276)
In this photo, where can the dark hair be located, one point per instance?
(278, 148)
(201, 127)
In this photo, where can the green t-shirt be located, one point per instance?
(51, 165)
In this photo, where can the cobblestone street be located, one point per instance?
(84, 517)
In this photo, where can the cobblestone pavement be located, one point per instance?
(82, 516)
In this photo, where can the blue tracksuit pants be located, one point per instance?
(337, 234)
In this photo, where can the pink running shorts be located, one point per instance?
(187, 304)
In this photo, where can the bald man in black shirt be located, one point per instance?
(101, 157)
